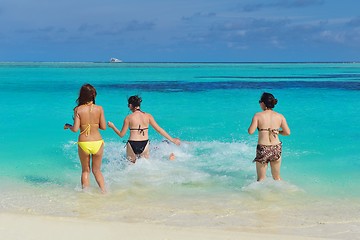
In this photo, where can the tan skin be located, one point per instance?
(273, 120)
(96, 118)
(133, 121)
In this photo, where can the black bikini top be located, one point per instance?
(141, 130)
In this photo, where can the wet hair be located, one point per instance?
(87, 94)
(135, 101)
(268, 99)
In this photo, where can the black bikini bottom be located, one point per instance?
(138, 146)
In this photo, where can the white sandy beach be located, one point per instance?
(15, 226)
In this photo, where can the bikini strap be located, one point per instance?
(272, 132)
(138, 109)
(141, 130)
(88, 127)
(86, 130)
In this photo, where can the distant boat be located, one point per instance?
(115, 60)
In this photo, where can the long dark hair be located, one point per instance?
(269, 100)
(86, 95)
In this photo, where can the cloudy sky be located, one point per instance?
(180, 30)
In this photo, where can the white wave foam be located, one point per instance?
(270, 189)
(196, 164)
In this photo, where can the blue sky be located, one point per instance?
(180, 30)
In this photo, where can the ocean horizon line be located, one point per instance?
(194, 62)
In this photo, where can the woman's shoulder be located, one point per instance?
(141, 113)
(149, 116)
(78, 109)
(84, 108)
(259, 114)
(278, 114)
(98, 107)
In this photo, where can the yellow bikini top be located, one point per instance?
(88, 126)
(86, 130)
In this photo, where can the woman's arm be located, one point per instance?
(162, 131)
(285, 130)
(123, 129)
(76, 126)
(254, 124)
(102, 122)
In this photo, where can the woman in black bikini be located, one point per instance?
(138, 123)
(269, 124)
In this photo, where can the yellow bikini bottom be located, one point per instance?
(91, 147)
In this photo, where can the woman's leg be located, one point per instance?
(275, 169)
(130, 155)
(261, 171)
(85, 167)
(96, 168)
(146, 152)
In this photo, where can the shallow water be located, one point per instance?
(212, 180)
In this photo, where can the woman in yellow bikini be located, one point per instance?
(89, 118)
(138, 123)
(269, 124)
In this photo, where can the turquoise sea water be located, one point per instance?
(212, 181)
